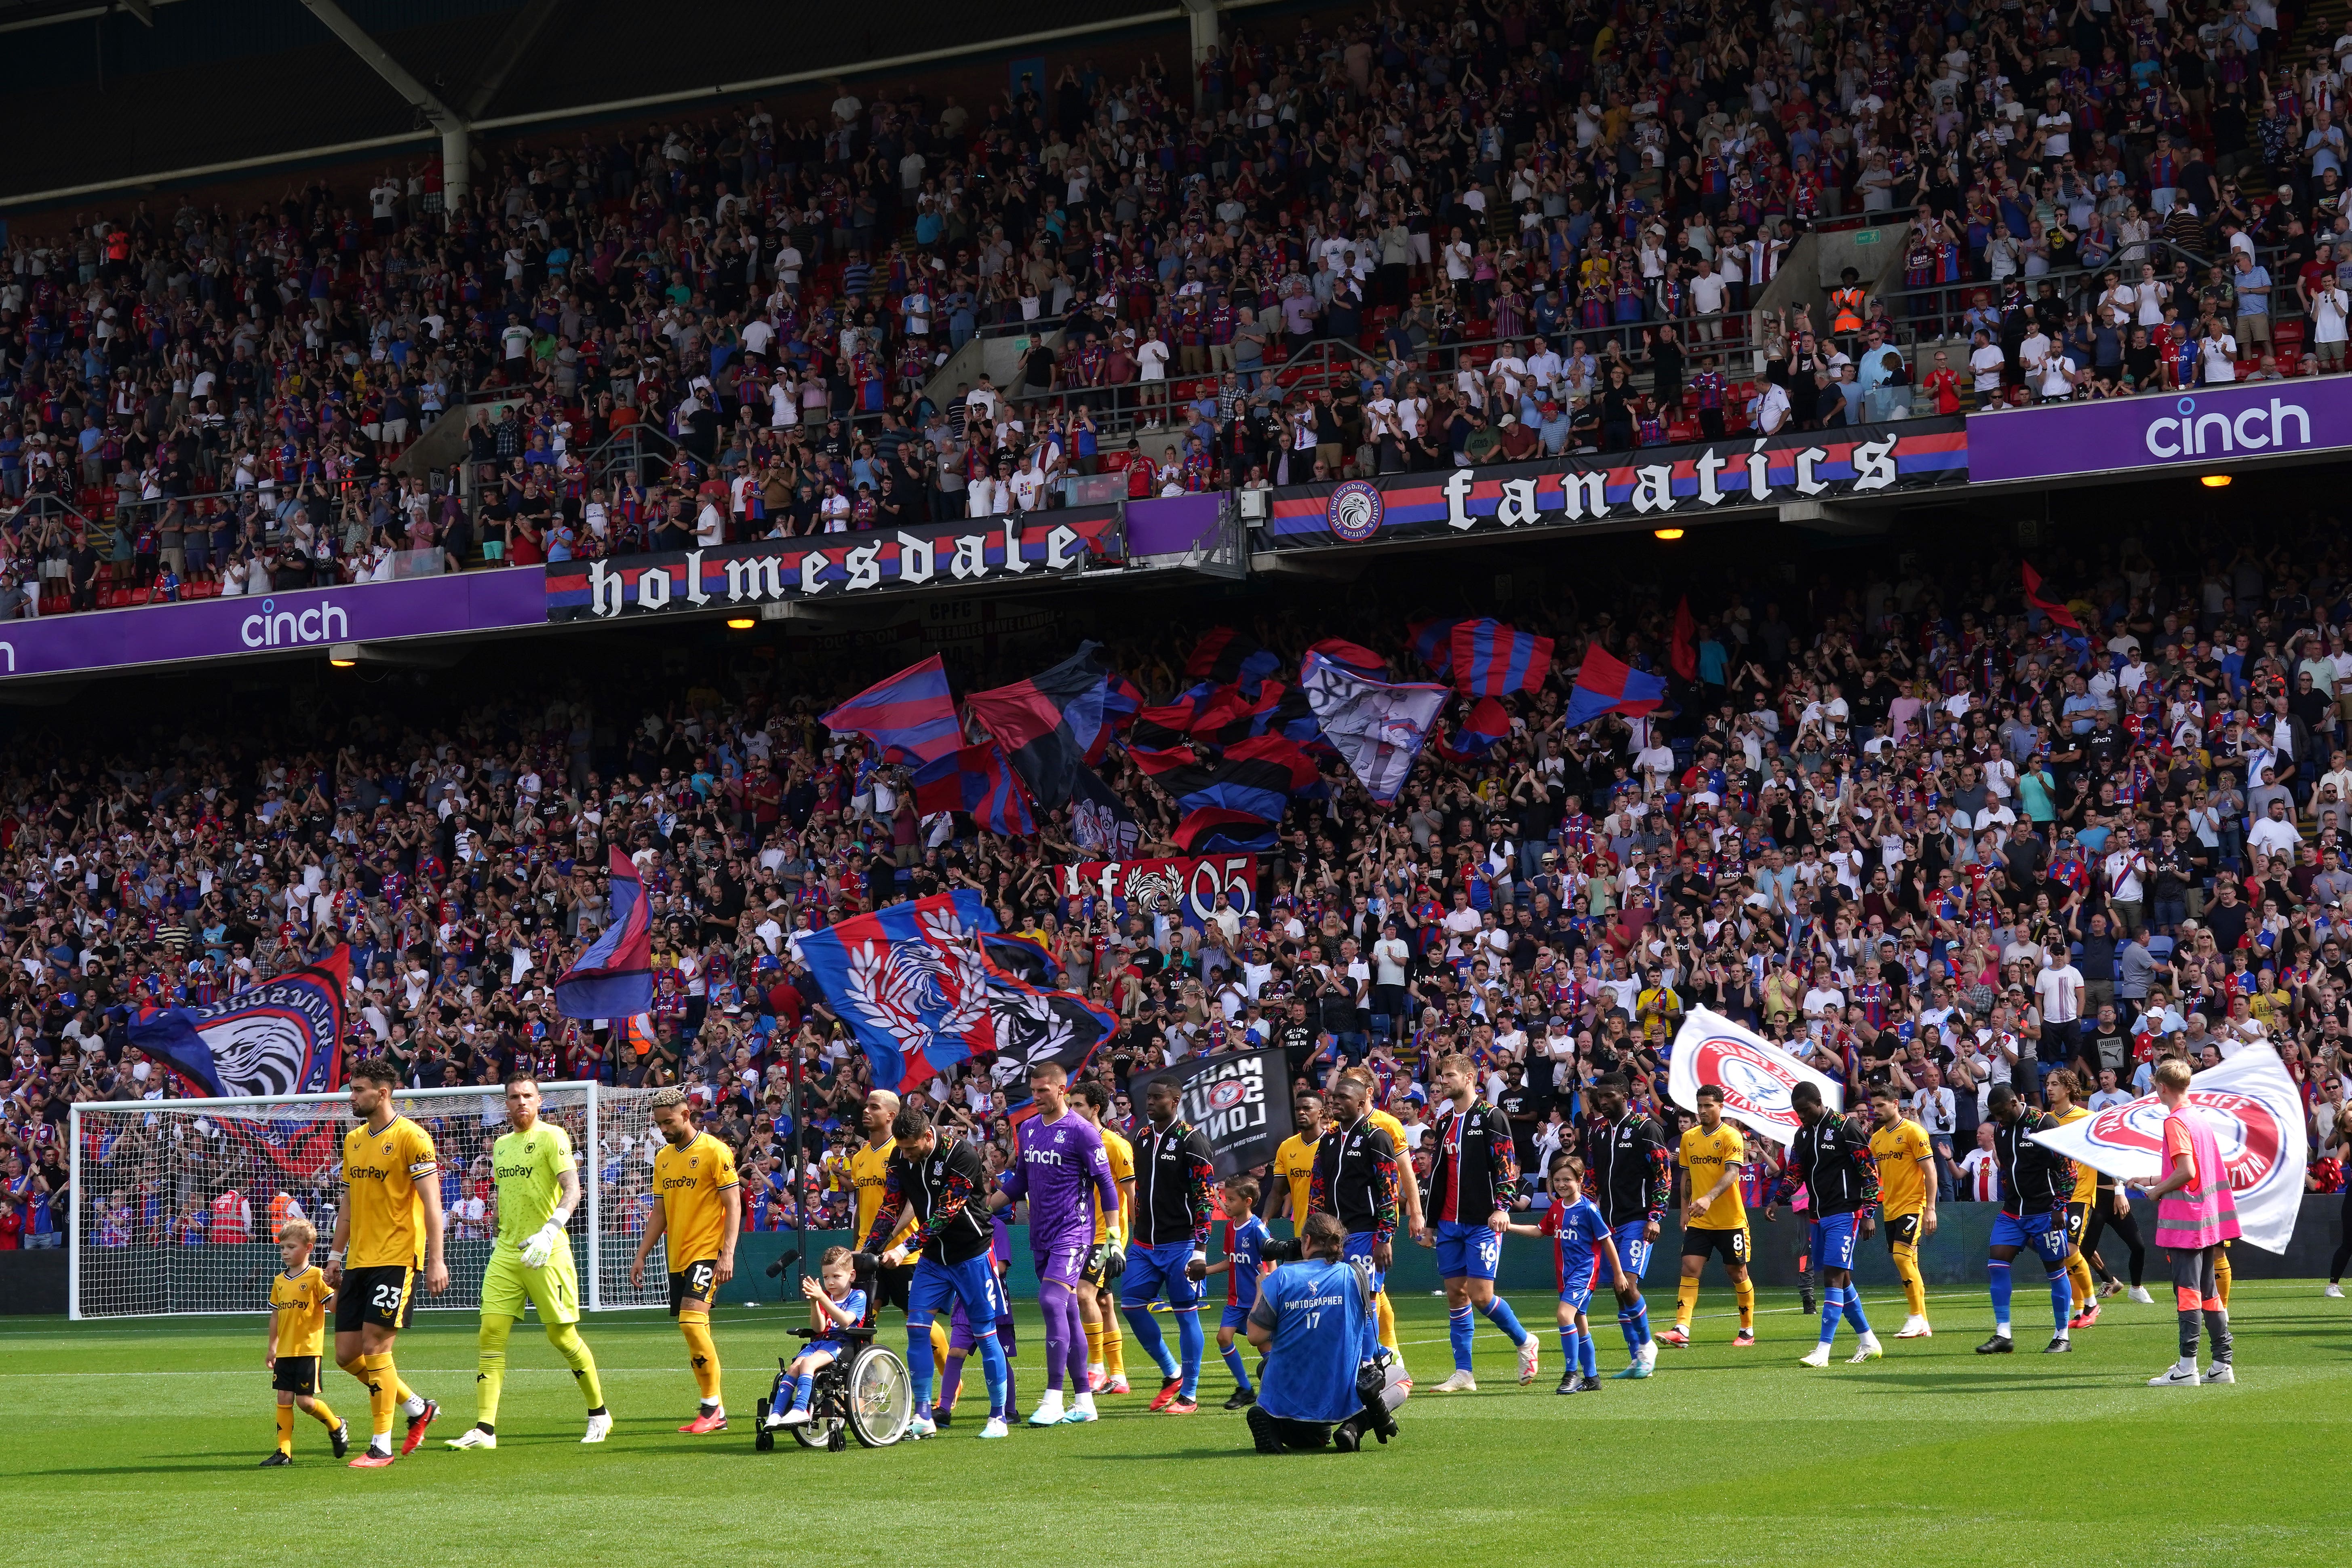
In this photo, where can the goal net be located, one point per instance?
(177, 1202)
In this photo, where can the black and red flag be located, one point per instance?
(1048, 722)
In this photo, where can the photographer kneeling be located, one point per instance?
(1309, 1321)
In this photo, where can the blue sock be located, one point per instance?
(1832, 1309)
(999, 1384)
(1146, 1333)
(1853, 1317)
(918, 1364)
(1012, 1382)
(1587, 1356)
(1499, 1313)
(1568, 1340)
(1642, 1320)
(2061, 1296)
(800, 1386)
(1457, 1333)
(1627, 1325)
(1190, 1342)
(1996, 1276)
(1233, 1366)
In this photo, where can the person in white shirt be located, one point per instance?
(2218, 353)
(1985, 365)
(1981, 1168)
(1772, 408)
(2328, 325)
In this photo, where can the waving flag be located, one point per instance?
(1049, 722)
(976, 779)
(615, 978)
(1215, 830)
(1681, 653)
(910, 984)
(1020, 957)
(1432, 641)
(1100, 822)
(1607, 684)
(1035, 1025)
(1754, 1074)
(1224, 656)
(2256, 1114)
(1354, 656)
(910, 716)
(1376, 727)
(282, 1037)
(2059, 614)
(1486, 728)
(1255, 777)
(1490, 659)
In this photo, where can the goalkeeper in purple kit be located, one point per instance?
(1061, 1167)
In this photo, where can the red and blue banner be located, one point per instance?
(911, 716)
(615, 978)
(1048, 723)
(977, 781)
(1607, 684)
(1490, 659)
(282, 1037)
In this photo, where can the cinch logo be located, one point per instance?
(323, 622)
(2253, 429)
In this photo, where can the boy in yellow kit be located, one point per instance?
(298, 1329)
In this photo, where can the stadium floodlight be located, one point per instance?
(177, 1202)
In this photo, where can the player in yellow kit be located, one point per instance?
(869, 1171)
(390, 1224)
(1907, 1199)
(1408, 1195)
(531, 1263)
(2065, 1092)
(701, 1211)
(298, 1331)
(1098, 1303)
(1714, 1216)
(1293, 1162)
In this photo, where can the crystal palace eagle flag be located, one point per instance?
(911, 983)
(282, 1037)
(615, 978)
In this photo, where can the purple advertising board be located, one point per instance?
(2197, 427)
(514, 596)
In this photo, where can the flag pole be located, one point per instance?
(800, 1186)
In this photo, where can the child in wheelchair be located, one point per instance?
(835, 1302)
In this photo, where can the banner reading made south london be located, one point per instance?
(1009, 549)
(1654, 482)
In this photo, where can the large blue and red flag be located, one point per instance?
(977, 779)
(1216, 830)
(1488, 725)
(1224, 656)
(1491, 659)
(1607, 684)
(1255, 777)
(911, 984)
(615, 978)
(1049, 722)
(910, 716)
(282, 1037)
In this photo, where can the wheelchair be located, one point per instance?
(865, 1394)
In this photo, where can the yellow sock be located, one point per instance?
(1686, 1302)
(322, 1413)
(1094, 1344)
(380, 1381)
(703, 1353)
(2078, 1276)
(1915, 1288)
(1744, 1292)
(1388, 1326)
(1114, 1347)
(285, 1428)
(490, 1366)
(2221, 1275)
(565, 1338)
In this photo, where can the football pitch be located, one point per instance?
(136, 1442)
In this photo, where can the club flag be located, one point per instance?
(1048, 722)
(1376, 727)
(1432, 641)
(910, 716)
(615, 978)
(1100, 822)
(1224, 656)
(1682, 654)
(1486, 727)
(1213, 830)
(1035, 1025)
(2059, 614)
(2256, 1114)
(1020, 958)
(282, 1037)
(1121, 701)
(1254, 778)
(1755, 1074)
(1354, 656)
(1607, 684)
(976, 779)
(1490, 659)
(911, 983)
(1240, 1102)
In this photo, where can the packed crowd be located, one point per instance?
(723, 328)
(1895, 823)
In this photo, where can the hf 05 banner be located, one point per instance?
(1242, 1102)
(1755, 1075)
(2256, 1114)
(1009, 549)
(1650, 482)
(1189, 886)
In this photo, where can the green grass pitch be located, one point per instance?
(136, 1442)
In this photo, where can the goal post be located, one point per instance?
(177, 1202)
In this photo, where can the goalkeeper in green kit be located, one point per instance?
(539, 1187)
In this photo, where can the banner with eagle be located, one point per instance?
(281, 1036)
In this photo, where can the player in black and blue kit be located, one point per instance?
(1633, 1181)
(1829, 1157)
(2035, 1185)
(1245, 1239)
(1354, 1181)
(944, 1178)
(1169, 1257)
